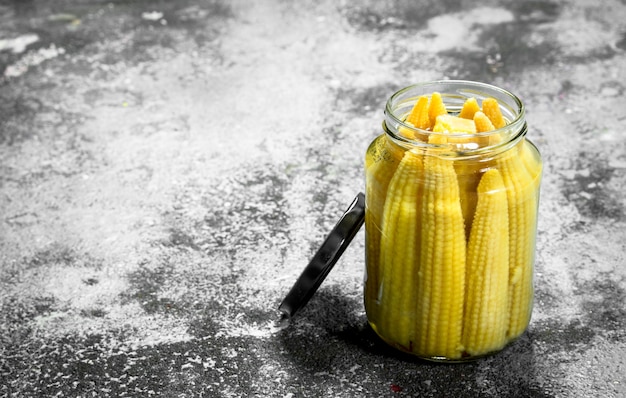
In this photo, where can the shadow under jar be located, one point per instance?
(450, 228)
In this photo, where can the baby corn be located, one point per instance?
(441, 275)
(486, 306)
(381, 163)
(522, 203)
(492, 110)
(398, 251)
(419, 114)
(470, 107)
(436, 108)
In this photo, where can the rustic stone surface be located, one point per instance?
(168, 168)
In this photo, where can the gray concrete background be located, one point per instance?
(168, 168)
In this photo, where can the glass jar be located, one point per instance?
(450, 228)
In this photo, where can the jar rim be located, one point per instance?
(457, 90)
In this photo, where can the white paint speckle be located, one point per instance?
(152, 15)
(33, 58)
(18, 44)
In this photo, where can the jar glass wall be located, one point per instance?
(450, 227)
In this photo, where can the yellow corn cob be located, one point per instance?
(441, 275)
(398, 252)
(492, 110)
(381, 162)
(418, 117)
(470, 107)
(465, 173)
(522, 202)
(436, 108)
(419, 114)
(467, 170)
(486, 306)
(483, 123)
(468, 176)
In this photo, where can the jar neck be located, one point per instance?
(454, 94)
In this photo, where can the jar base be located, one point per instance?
(465, 357)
